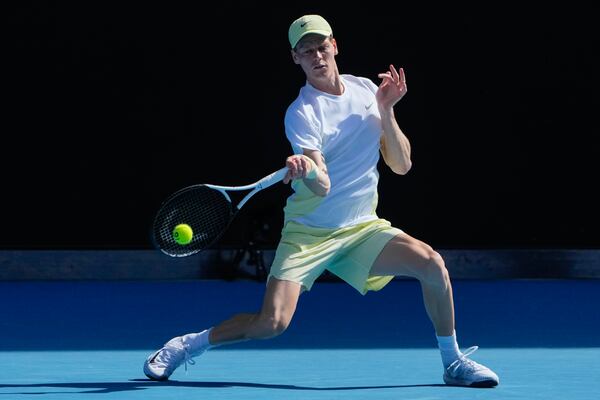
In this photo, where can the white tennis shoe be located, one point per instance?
(466, 372)
(162, 363)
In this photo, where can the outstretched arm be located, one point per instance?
(395, 146)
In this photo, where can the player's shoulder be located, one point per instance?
(301, 115)
(303, 104)
(359, 81)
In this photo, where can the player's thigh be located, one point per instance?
(281, 298)
(405, 256)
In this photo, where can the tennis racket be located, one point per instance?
(207, 209)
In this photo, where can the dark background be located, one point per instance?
(110, 108)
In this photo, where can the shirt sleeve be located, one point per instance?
(301, 133)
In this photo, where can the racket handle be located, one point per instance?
(271, 179)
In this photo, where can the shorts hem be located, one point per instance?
(303, 287)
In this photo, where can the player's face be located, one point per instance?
(316, 55)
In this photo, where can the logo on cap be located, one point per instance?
(300, 28)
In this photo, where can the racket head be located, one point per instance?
(206, 210)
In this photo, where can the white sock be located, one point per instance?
(449, 349)
(198, 342)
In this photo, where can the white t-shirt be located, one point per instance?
(346, 129)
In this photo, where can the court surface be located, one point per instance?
(79, 340)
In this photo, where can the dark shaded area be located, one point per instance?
(500, 313)
(110, 108)
(142, 384)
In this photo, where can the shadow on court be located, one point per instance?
(142, 384)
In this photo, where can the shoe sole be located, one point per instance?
(157, 379)
(489, 383)
(484, 384)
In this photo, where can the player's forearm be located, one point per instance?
(395, 145)
(317, 178)
(319, 184)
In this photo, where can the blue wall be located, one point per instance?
(143, 315)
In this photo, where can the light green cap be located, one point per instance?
(308, 24)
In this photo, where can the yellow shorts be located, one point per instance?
(305, 252)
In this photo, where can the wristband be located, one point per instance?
(313, 171)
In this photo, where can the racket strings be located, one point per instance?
(206, 210)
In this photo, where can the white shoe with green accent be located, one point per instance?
(162, 363)
(466, 372)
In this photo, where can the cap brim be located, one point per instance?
(316, 31)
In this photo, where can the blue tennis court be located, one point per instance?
(71, 340)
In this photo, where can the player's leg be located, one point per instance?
(275, 315)
(277, 310)
(406, 256)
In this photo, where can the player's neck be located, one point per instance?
(331, 85)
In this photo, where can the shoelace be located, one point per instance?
(187, 359)
(166, 355)
(462, 359)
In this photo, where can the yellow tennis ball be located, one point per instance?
(183, 234)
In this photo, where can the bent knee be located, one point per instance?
(436, 273)
(271, 326)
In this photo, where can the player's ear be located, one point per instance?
(335, 47)
(295, 57)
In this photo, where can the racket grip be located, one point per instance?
(272, 179)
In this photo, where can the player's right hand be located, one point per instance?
(299, 166)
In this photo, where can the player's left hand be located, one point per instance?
(391, 89)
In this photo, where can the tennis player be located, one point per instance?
(337, 127)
